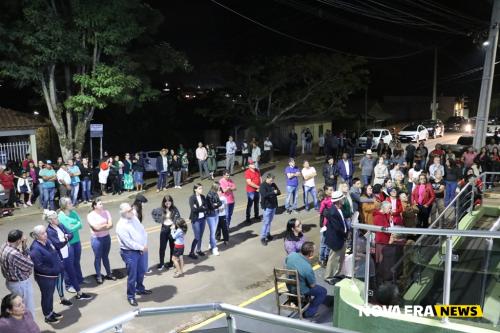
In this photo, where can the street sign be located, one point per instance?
(96, 130)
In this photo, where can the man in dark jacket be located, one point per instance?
(330, 172)
(292, 142)
(269, 201)
(336, 234)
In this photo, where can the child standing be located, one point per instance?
(185, 167)
(179, 229)
(222, 225)
(24, 189)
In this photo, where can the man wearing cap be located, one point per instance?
(49, 185)
(252, 176)
(366, 165)
(335, 237)
(230, 152)
(17, 267)
(133, 244)
(292, 174)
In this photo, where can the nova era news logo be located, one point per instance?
(440, 311)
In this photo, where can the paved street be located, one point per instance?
(243, 269)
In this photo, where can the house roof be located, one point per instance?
(15, 120)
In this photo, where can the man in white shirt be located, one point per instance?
(63, 180)
(202, 156)
(133, 241)
(162, 170)
(308, 173)
(435, 167)
(230, 152)
(256, 154)
(268, 150)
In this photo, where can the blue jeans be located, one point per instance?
(252, 198)
(70, 275)
(135, 271)
(47, 286)
(203, 166)
(86, 190)
(312, 191)
(101, 247)
(324, 250)
(162, 180)
(213, 221)
(138, 177)
(48, 197)
(229, 214)
(75, 252)
(449, 192)
(74, 193)
(145, 261)
(292, 194)
(266, 224)
(198, 229)
(366, 179)
(318, 294)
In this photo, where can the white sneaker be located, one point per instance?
(71, 290)
(215, 251)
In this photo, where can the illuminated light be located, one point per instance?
(468, 128)
(486, 43)
(227, 95)
(166, 84)
(166, 89)
(36, 113)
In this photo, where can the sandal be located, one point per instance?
(178, 275)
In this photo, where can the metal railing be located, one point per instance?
(13, 151)
(230, 310)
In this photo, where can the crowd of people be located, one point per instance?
(400, 187)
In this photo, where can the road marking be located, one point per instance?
(241, 305)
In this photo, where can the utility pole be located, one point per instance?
(487, 82)
(434, 87)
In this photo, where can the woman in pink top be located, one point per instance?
(325, 205)
(228, 187)
(100, 222)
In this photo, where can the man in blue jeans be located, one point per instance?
(133, 244)
(162, 170)
(307, 280)
(292, 174)
(269, 201)
(49, 185)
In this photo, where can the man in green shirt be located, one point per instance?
(307, 279)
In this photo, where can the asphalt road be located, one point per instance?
(243, 269)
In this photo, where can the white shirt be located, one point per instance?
(306, 173)
(346, 165)
(256, 154)
(230, 148)
(267, 145)
(244, 149)
(201, 153)
(63, 250)
(165, 163)
(63, 176)
(198, 198)
(321, 142)
(343, 220)
(222, 208)
(131, 234)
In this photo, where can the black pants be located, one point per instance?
(423, 216)
(166, 237)
(116, 183)
(47, 286)
(222, 227)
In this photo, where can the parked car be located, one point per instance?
(434, 127)
(150, 160)
(413, 132)
(378, 133)
(455, 124)
(220, 153)
(461, 146)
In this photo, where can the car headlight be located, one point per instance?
(468, 128)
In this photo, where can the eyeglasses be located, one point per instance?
(298, 225)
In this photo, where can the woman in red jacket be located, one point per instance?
(396, 207)
(382, 218)
(423, 196)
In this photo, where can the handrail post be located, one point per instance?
(354, 252)
(118, 328)
(471, 208)
(367, 267)
(447, 274)
(231, 323)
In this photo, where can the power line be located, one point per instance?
(324, 47)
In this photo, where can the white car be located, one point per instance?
(413, 132)
(377, 133)
(220, 152)
(150, 160)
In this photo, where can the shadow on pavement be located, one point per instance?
(159, 295)
(199, 269)
(72, 314)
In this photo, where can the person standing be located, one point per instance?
(423, 196)
(301, 262)
(435, 167)
(177, 171)
(199, 207)
(17, 267)
(74, 172)
(86, 175)
(179, 229)
(309, 140)
(48, 267)
(133, 241)
(308, 173)
(49, 185)
(64, 181)
(138, 167)
(245, 153)
(211, 161)
(100, 222)
(330, 172)
(166, 215)
(268, 150)
(228, 187)
(213, 205)
(380, 172)
(335, 238)
(230, 153)
(256, 154)
(292, 144)
(103, 175)
(128, 181)
(321, 144)
(185, 167)
(439, 186)
(453, 174)
(269, 193)
(162, 170)
(346, 169)
(292, 174)
(366, 164)
(222, 228)
(201, 156)
(410, 153)
(253, 180)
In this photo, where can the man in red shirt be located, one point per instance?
(437, 152)
(26, 161)
(7, 181)
(252, 176)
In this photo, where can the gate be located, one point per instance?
(13, 151)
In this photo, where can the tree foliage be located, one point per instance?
(83, 55)
(282, 88)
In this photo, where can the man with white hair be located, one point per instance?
(335, 237)
(133, 241)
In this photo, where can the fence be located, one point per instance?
(13, 151)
